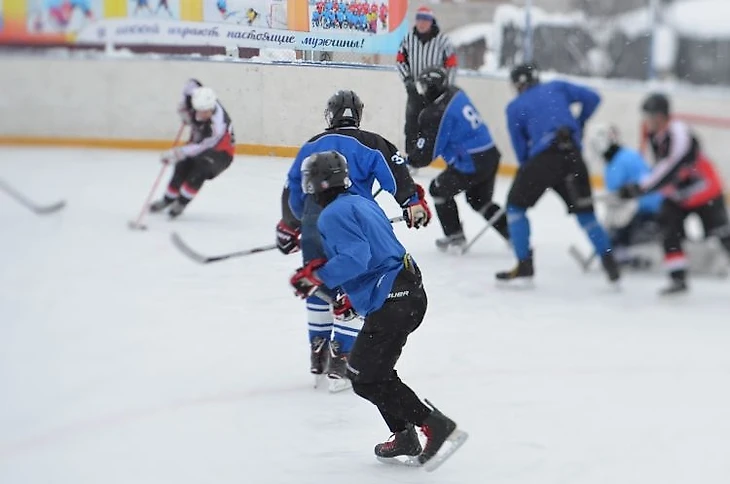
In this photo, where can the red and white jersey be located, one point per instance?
(681, 171)
(216, 133)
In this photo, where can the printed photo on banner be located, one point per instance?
(154, 9)
(264, 14)
(350, 16)
(62, 16)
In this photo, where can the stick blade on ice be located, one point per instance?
(178, 242)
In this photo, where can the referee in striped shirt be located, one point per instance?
(425, 46)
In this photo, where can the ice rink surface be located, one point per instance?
(121, 361)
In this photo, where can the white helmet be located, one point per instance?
(604, 136)
(204, 99)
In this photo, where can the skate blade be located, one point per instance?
(518, 284)
(337, 385)
(318, 379)
(403, 460)
(452, 444)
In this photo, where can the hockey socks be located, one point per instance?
(319, 317)
(597, 235)
(519, 231)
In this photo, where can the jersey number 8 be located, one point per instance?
(471, 115)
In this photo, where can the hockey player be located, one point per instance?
(382, 284)
(371, 157)
(208, 153)
(629, 224)
(689, 183)
(547, 143)
(450, 127)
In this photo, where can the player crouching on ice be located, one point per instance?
(383, 284)
(208, 153)
(630, 223)
(689, 182)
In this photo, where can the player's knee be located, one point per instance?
(433, 189)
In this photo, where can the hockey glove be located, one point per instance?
(172, 156)
(342, 308)
(287, 238)
(305, 281)
(417, 214)
(629, 191)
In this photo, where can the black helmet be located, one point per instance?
(344, 108)
(323, 171)
(524, 75)
(432, 83)
(656, 104)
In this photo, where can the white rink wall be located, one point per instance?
(277, 105)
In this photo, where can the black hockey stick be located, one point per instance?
(582, 260)
(490, 223)
(201, 259)
(27, 203)
(180, 244)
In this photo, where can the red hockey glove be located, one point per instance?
(287, 238)
(305, 280)
(342, 308)
(418, 214)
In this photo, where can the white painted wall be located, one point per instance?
(281, 105)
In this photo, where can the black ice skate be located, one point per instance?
(177, 208)
(161, 204)
(610, 266)
(457, 240)
(404, 443)
(442, 439)
(337, 370)
(677, 284)
(524, 271)
(318, 356)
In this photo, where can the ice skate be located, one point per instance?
(402, 448)
(522, 272)
(176, 209)
(443, 439)
(161, 205)
(318, 359)
(611, 267)
(457, 240)
(677, 285)
(337, 370)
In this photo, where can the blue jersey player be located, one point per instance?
(383, 284)
(371, 158)
(451, 128)
(546, 138)
(630, 223)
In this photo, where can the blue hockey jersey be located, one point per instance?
(369, 157)
(628, 166)
(363, 255)
(451, 128)
(536, 114)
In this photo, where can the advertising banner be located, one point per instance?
(375, 26)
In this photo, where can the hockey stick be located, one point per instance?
(137, 224)
(201, 259)
(490, 223)
(27, 203)
(180, 244)
(582, 260)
